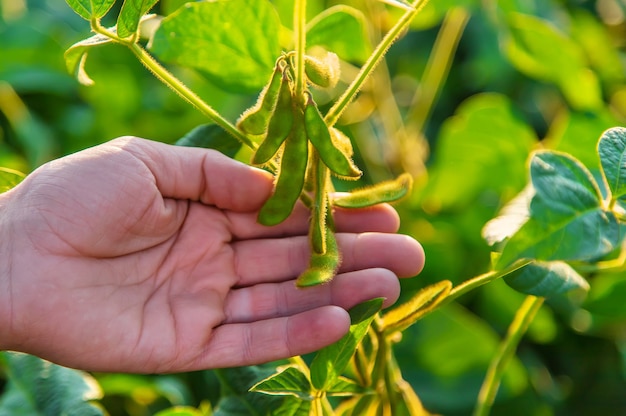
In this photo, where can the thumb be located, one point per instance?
(199, 174)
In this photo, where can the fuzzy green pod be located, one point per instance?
(322, 267)
(322, 72)
(255, 119)
(291, 176)
(318, 133)
(387, 191)
(317, 228)
(279, 125)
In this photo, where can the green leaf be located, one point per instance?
(483, 148)
(535, 47)
(612, 151)
(330, 361)
(545, 279)
(91, 9)
(211, 136)
(130, 15)
(343, 387)
(37, 387)
(424, 301)
(9, 178)
(342, 30)
(76, 55)
(292, 406)
(567, 221)
(237, 400)
(234, 43)
(289, 381)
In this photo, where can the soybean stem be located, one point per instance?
(523, 318)
(391, 36)
(299, 26)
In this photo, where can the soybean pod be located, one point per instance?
(322, 267)
(387, 191)
(254, 120)
(318, 133)
(317, 227)
(279, 125)
(291, 176)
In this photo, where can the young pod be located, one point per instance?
(322, 267)
(279, 124)
(291, 176)
(254, 120)
(322, 72)
(319, 134)
(387, 191)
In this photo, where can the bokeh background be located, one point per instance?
(462, 100)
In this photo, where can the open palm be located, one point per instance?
(137, 256)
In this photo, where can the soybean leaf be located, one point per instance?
(37, 387)
(342, 30)
(538, 49)
(566, 221)
(237, 400)
(180, 411)
(130, 15)
(292, 406)
(234, 43)
(545, 279)
(76, 55)
(483, 147)
(9, 178)
(345, 387)
(612, 151)
(290, 381)
(88, 9)
(510, 218)
(424, 301)
(211, 136)
(330, 361)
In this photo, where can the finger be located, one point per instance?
(234, 345)
(273, 300)
(200, 174)
(276, 260)
(379, 218)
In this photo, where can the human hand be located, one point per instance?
(136, 256)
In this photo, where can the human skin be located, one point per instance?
(137, 256)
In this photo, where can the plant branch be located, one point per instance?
(390, 37)
(524, 316)
(299, 26)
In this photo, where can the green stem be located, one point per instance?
(188, 95)
(391, 36)
(438, 66)
(299, 26)
(524, 316)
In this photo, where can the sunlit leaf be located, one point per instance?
(211, 136)
(537, 48)
(89, 9)
(342, 30)
(330, 361)
(483, 147)
(546, 279)
(292, 406)
(567, 221)
(510, 219)
(234, 43)
(405, 315)
(345, 387)
(76, 55)
(612, 151)
(130, 15)
(39, 388)
(9, 178)
(289, 381)
(180, 411)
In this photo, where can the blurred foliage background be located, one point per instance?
(461, 101)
